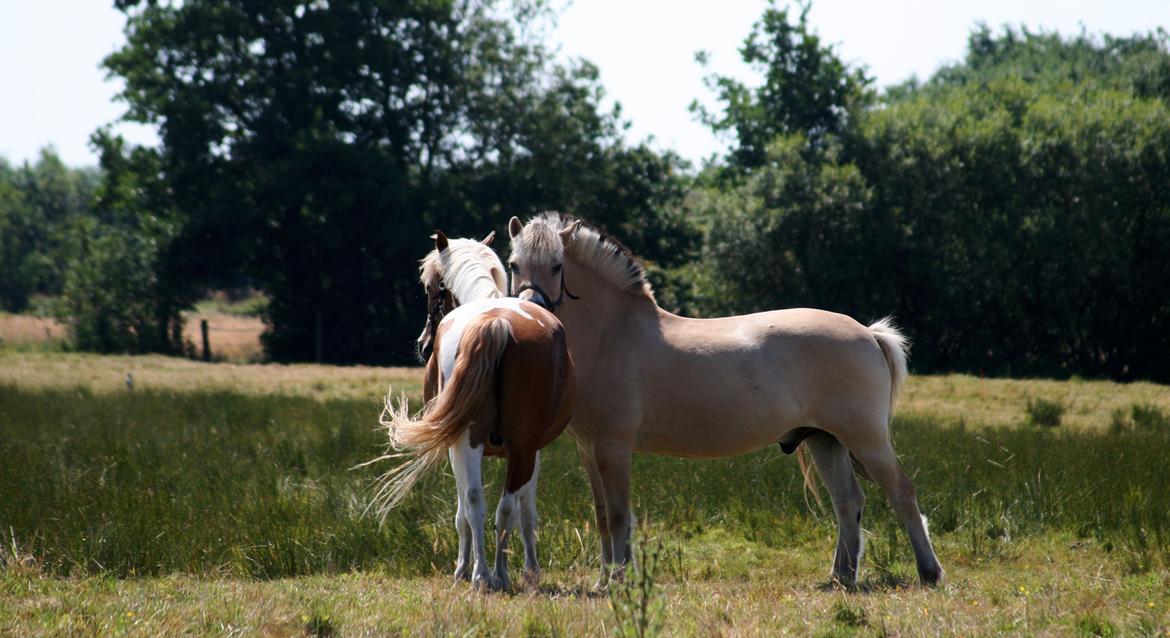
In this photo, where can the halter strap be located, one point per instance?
(552, 305)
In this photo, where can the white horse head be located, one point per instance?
(455, 272)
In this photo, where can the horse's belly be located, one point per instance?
(713, 435)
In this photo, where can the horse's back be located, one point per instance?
(736, 383)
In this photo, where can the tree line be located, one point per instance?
(1012, 211)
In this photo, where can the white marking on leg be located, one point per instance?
(469, 483)
(463, 527)
(528, 523)
(506, 515)
(860, 550)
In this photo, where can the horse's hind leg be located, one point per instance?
(466, 461)
(506, 515)
(832, 463)
(882, 465)
(521, 470)
(463, 527)
(528, 522)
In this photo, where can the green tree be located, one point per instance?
(1013, 211)
(38, 203)
(120, 292)
(807, 88)
(311, 149)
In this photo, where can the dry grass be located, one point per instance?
(26, 329)
(723, 577)
(1053, 587)
(947, 398)
(1088, 404)
(234, 338)
(108, 374)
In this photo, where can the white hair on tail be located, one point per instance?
(894, 346)
(468, 268)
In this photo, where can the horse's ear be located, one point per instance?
(487, 241)
(515, 227)
(567, 232)
(440, 240)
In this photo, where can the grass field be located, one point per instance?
(218, 499)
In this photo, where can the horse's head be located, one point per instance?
(538, 260)
(457, 270)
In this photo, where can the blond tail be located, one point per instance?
(427, 436)
(894, 346)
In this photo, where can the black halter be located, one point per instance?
(435, 314)
(548, 304)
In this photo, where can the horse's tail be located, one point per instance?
(894, 346)
(427, 436)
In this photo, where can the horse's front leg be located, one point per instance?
(466, 463)
(613, 461)
(597, 488)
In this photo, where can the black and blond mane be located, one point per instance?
(602, 253)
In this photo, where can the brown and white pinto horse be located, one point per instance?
(499, 382)
(651, 381)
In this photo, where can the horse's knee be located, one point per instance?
(473, 496)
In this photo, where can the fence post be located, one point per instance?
(206, 340)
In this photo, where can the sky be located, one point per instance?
(53, 91)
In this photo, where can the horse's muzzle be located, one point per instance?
(535, 295)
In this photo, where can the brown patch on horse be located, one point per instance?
(537, 389)
(533, 395)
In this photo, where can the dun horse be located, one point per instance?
(651, 381)
(499, 382)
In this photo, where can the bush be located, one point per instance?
(113, 298)
(1045, 413)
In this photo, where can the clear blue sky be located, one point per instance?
(52, 90)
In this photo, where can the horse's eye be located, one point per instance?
(556, 269)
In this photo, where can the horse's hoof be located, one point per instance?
(848, 583)
(462, 573)
(931, 578)
(501, 582)
(481, 584)
(532, 578)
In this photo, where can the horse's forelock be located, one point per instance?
(540, 242)
(605, 254)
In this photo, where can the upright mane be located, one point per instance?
(468, 268)
(602, 253)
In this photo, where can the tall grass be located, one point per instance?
(154, 482)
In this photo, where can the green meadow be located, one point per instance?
(173, 509)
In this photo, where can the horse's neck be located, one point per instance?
(473, 284)
(603, 311)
